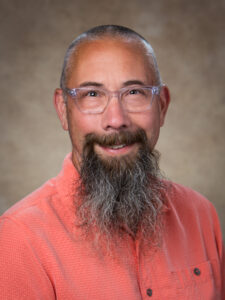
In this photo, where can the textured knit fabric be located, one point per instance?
(42, 255)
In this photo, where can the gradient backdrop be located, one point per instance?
(189, 41)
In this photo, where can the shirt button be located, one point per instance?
(149, 292)
(197, 271)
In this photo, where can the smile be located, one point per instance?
(116, 150)
(117, 146)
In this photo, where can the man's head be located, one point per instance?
(111, 57)
(115, 142)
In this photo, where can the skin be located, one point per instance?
(112, 63)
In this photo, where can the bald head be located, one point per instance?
(106, 32)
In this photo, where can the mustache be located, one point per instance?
(122, 137)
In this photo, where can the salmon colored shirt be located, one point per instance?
(41, 256)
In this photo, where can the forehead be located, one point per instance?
(109, 58)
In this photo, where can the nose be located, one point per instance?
(114, 117)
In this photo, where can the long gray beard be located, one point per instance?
(120, 195)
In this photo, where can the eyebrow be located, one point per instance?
(91, 83)
(97, 84)
(132, 82)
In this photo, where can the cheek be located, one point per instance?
(79, 126)
(150, 122)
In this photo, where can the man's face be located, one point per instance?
(111, 64)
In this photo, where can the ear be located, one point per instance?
(60, 107)
(164, 103)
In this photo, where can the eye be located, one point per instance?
(92, 93)
(134, 92)
(137, 91)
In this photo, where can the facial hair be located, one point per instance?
(120, 195)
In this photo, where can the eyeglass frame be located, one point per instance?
(72, 93)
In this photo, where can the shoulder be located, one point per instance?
(19, 223)
(190, 207)
(49, 207)
(184, 198)
(33, 205)
(23, 239)
(191, 210)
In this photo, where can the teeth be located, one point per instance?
(117, 146)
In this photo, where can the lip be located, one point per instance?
(126, 149)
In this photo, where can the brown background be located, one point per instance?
(188, 38)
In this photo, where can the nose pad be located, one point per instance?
(115, 117)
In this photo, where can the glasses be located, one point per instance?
(94, 100)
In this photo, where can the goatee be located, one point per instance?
(120, 196)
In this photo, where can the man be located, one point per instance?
(109, 226)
